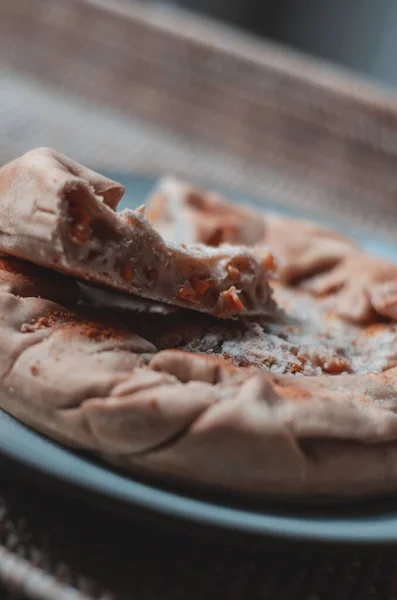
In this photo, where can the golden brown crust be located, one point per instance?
(361, 288)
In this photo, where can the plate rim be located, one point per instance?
(113, 485)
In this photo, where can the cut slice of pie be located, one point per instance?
(58, 214)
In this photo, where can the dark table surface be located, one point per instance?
(106, 557)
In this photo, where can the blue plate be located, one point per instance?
(373, 522)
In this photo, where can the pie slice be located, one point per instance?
(58, 214)
(96, 384)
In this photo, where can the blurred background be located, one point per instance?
(291, 102)
(358, 34)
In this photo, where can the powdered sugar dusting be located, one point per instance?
(307, 340)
